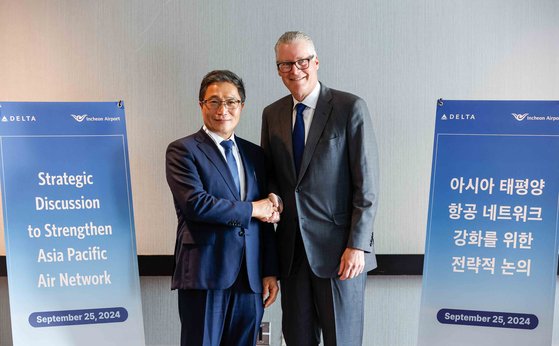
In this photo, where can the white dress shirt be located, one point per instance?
(218, 139)
(310, 101)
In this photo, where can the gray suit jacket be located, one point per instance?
(334, 197)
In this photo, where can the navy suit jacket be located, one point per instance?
(215, 229)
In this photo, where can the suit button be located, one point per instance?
(241, 233)
(297, 189)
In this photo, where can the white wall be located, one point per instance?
(399, 55)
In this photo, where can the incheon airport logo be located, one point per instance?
(18, 118)
(528, 117)
(519, 117)
(80, 118)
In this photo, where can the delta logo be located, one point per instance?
(18, 118)
(464, 116)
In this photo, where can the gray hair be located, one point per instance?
(292, 36)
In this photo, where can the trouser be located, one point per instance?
(311, 304)
(229, 317)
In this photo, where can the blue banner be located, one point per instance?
(491, 250)
(69, 224)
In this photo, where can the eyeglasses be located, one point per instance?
(214, 104)
(302, 64)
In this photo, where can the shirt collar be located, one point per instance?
(217, 138)
(311, 100)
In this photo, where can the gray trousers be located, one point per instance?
(311, 304)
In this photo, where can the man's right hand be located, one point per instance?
(268, 209)
(278, 205)
(263, 209)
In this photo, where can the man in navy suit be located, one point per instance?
(225, 253)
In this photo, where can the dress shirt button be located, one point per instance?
(241, 233)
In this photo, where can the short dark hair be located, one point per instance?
(220, 76)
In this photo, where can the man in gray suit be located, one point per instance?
(323, 163)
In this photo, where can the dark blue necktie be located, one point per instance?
(231, 162)
(298, 136)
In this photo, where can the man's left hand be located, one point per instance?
(352, 263)
(270, 290)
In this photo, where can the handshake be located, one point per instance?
(268, 209)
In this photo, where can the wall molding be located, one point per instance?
(162, 265)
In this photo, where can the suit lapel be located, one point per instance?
(285, 125)
(251, 182)
(208, 147)
(320, 118)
